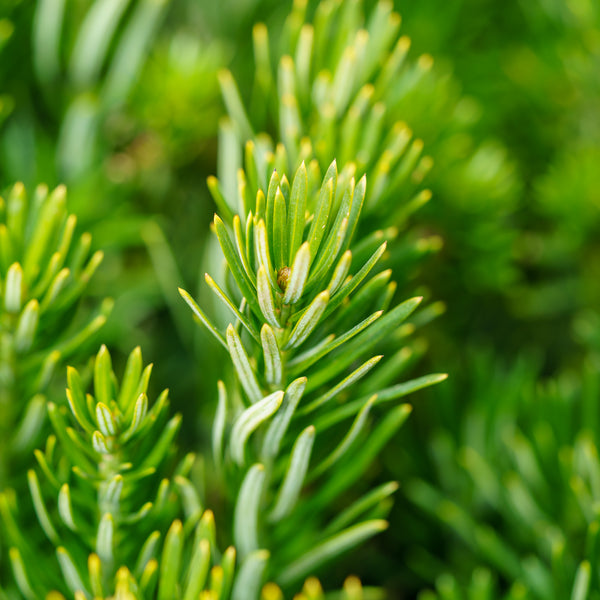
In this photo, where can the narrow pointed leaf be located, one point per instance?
(248, 422)
(65, 508)
(352, 434)
(249, 578)
(321, 217)
(296, 213)
(69, 570)
(231, 306)
(356, 375)
(298, 276)
(303, 361)
(104, 540)
(272, 356)
(198, 571)
(329, 549)
(279, 424)
(218, 428)
(242, 365)
(263, 251)
(280, 240)
(307, 323)
(202, 317)
(295, 475)
(265, 297)
(170, 562)
(386, 395)
(245, 519)
(235, 265)
(130, 380)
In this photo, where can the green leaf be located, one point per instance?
(342, 448)
(65, 508)
(234, 104)
(341, 479)
(348, 287)
(103, 380)
(249, 421)
(263, 251)
(149, 578)
(93, 40)
(265, 298)
(198, 571)
(279, 424)
(170, 562)
(342, 385)
(20, 573)
(340, 272)
(280, 241)
(329, 549)
(235, 265)
(361, 506)
(110, 493)
(192, 507)
(245, 249)
(202, 317)
(248, 580)
(95, 573)
(242, 365)
(140, 410)
(48, 19)
(295, 475)
(163, 445)
(298, 276)
(51, 214)
(365, 342)
(270, 205)
(358, 198)
(386, 395)
(231, 306)
(99, 443)
(321, 217)
(13, 289)
(245, 518)
(228, 565)
(69, 570)
(130, 379)
(273, 362)
(104, 539)
(40, 507)
(27, 326)
(343, 80)
(218, 428)
(105, 420)
(309, 320)
(132, 51)
(217, 194)
(31, 424)
(581, 587)
(296, 213)
(302, 362)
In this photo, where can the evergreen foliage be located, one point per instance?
(369, 173)
(516, 487)
(45, 269)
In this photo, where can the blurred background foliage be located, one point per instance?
(506, 98)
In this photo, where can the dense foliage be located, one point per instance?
(306, 214)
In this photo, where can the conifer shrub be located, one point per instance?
(303, 211)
